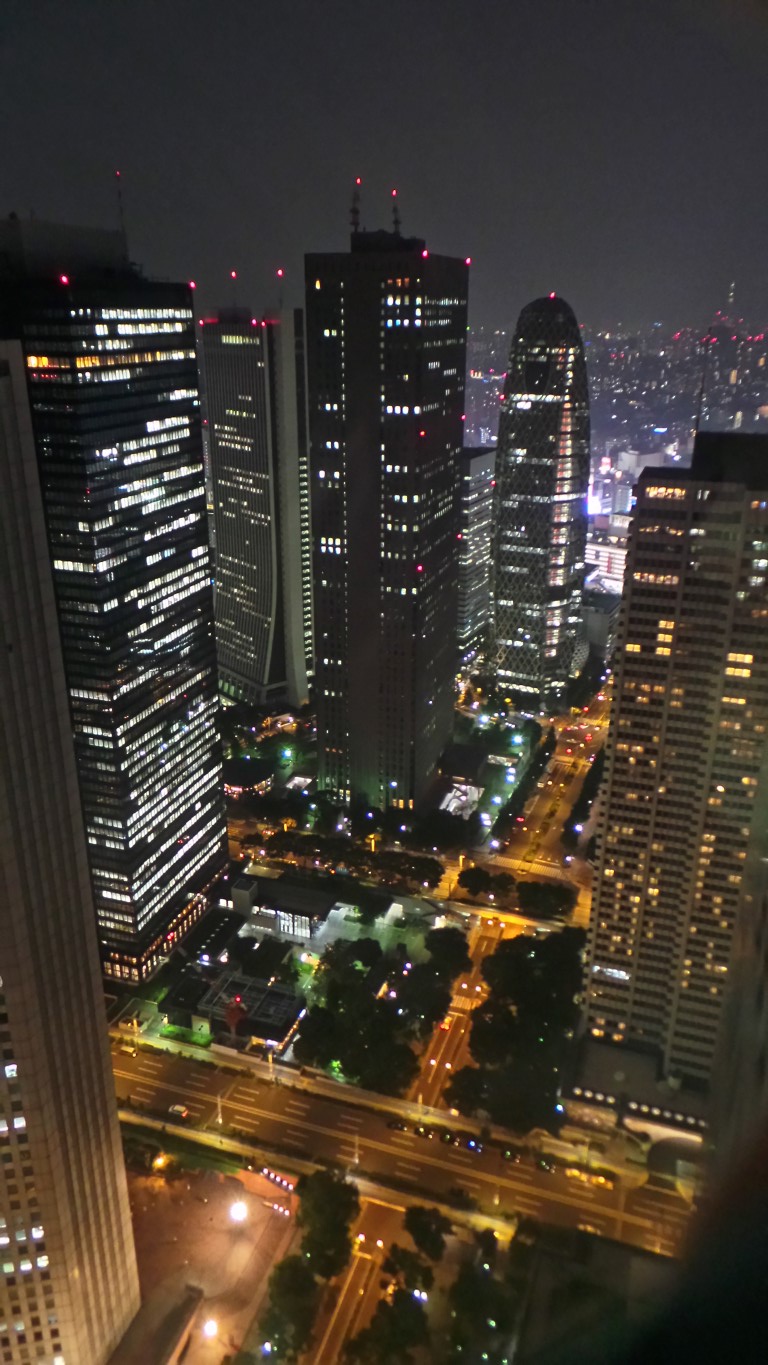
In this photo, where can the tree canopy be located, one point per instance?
(520, 1034)
(428, 1228)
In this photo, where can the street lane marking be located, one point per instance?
(677, 1220)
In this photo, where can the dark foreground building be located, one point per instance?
(111, 400)
(386, 336)
(542, 477)
(68, 1280)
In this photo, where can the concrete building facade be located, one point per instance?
(68, 1278)
(683, 838)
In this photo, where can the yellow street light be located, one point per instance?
(210, 1328)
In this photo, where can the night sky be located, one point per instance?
(615, 152)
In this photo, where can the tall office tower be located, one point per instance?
(542, 478)
(477, 469)
(68, 1279)
(111, 391)
(255, 385)
(685, 806)
(386, 333)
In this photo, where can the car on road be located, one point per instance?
(423, 1132)
(513, 1154)
(128, 1049)
(398, 1125)
(178, 1111)
(450, 1139)
(574, 1173)
(544, 1165)
(474, 1145)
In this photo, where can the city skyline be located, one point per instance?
(631, 194)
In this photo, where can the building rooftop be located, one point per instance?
(731, 457)
(270, 1010)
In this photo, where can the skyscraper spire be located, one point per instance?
(395, 214)
(354, 212)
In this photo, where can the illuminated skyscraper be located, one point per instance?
(476, 515)
(112, 397)
(386, 334)
(684, 834)
(542, 477)
(255, 391)
(68, 1279)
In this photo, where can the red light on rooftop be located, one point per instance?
(254, 322)
(394, 194)
(63, 279)
(422, 433)
(233, 274)
(459, 536)
(552, 295)
(280, 273)
(192, 284)
(425, 253)
(419, 568)
(468, 260)
(263, 322)
(358, 180)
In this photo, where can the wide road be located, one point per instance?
(448, 1047)
(359, 1288)
(297, 1122)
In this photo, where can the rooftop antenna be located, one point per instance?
(354, 212)
(120, 211)
(707, 344)
(395, 214)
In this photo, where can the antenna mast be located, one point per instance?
(395, 214)
(120, 213)
(707, 343)
(354, 212)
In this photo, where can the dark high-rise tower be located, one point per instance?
(256, 402)
(113, 402)
(542, 476)
(386, 332)
(68, 1279)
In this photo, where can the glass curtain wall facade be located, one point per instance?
(113, 396)
(255, 394)
(542, 478)
(475, 550)
(386, 340)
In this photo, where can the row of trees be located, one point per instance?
(520, 1034)
(335, 851)
(328, 1206)
(541, 900)
(350, 1029)
(479, 882)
